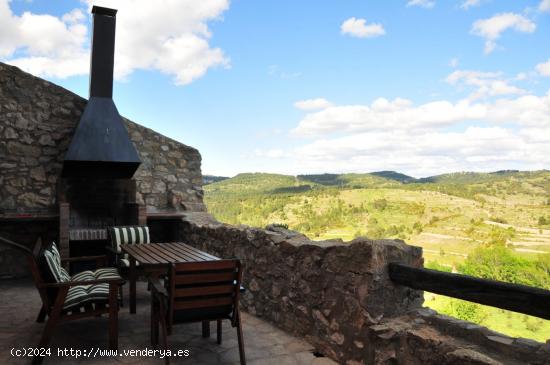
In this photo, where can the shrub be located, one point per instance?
(467, 311)
(280, 225)
(380, 204)
(376, 232)
(499, 220)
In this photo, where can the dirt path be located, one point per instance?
(446, 252)
(545, 232)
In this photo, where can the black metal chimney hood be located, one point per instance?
(101, 146)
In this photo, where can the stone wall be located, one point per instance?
(328, 292)
(37, 121)
(340, 298)
(424, 337)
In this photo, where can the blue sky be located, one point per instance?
(422, 87)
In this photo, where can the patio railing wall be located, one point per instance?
(518, 298)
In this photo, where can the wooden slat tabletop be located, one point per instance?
(166, 253)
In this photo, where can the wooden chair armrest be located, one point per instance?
(16, 245)
(157, 287)
(118, 281)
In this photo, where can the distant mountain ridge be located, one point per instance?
(458, 183)
(209, 179)
(343, 179)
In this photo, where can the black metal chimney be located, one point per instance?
(101, 146)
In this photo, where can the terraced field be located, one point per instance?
(450, 216)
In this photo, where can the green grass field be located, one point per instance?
(500, 320)
(449, 216)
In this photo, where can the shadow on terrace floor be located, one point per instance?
(264, 344)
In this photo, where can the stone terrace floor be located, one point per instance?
(264, 344)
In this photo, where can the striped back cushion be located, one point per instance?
(53, 261)
(129, 235)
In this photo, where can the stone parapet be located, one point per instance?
(329, 292)
(340, 298)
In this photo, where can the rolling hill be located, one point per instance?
(451, 216)
(446, 213)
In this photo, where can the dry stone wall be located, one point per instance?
(424, 337)
(37, 121)
(328, 292)
(340, 298)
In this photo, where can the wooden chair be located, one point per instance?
(66, 298)
(198, 292)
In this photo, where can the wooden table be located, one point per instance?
(157, 257)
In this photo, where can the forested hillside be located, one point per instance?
(466, 222)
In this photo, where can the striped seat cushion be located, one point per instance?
(53, 261)
(103, 273)
(82, 294)
(129, 235)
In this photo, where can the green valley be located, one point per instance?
(455, 218)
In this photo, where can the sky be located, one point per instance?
(422, 87)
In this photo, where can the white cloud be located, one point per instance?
(45, 40)
(470, 3)
(313, 104)
(168, 36)
(422, 3)
(453, 62)
(380, 115)
(544, 68)
(358, 28)
(401, 114)
(423, 140)
(425, 153)
(75, 16)
(491, 28)
(521, 76)
(275, 70)
(272, 153)
(544, 5)
(487, 84)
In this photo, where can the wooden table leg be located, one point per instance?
(205, 329)
(133, 279)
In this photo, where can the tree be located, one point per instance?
(501, 263)
(467, 311)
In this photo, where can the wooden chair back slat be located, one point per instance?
(204, 303)
(206, 278)
(203, 290)
(208, 285)
(36, 271)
